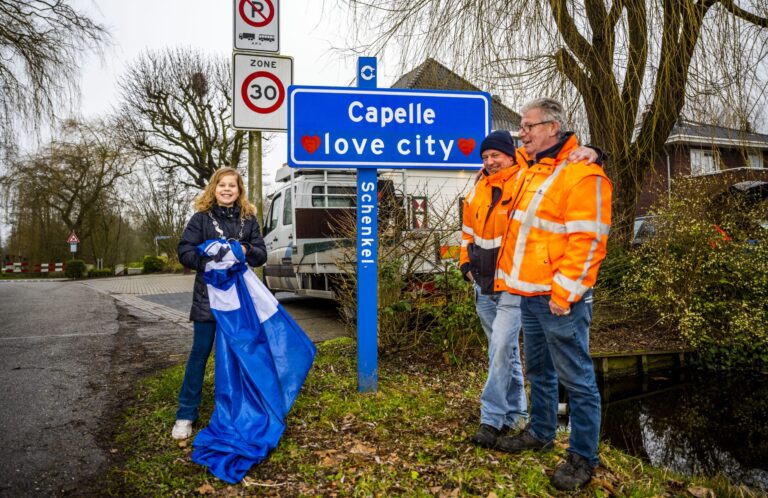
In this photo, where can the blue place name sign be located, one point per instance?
(339, 127)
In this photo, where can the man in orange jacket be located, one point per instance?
(503, 403)
(550, 255)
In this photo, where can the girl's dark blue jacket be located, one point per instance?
(199, 229)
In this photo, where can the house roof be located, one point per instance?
(691, 132)
(432, 75)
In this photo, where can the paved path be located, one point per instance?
(169, 296)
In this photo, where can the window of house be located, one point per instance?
(755, 160)
(703, 161)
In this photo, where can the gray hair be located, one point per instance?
(550, 108)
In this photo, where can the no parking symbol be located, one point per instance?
(260, 83)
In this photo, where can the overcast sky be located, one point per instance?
(309, 30)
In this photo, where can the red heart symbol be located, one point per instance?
(466, 145)
(311, 143)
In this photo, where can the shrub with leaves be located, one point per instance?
(153, 264)
(75, 268)
(705, 274)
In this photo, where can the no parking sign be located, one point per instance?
(257, 25)
(259, 90)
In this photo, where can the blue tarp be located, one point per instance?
(262, 359)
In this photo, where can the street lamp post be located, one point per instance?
(160, 237)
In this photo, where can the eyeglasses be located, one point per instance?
(527, 128)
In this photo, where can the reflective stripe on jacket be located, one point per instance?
(557, 235)
(484, 221)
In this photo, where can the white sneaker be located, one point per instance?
(182, 429)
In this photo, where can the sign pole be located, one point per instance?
(367, 257)
(254, 179)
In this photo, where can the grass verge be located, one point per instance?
(408, 439)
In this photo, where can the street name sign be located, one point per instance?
(257, 25)
(259, 88)
(341, 127)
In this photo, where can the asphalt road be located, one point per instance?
(69, 358)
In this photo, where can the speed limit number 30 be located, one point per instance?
(259, 90)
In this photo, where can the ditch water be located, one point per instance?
(693, 423)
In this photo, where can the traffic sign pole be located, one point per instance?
(367, 257)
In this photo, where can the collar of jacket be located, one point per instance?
(500, 176)
(226, 212)
(547, 159)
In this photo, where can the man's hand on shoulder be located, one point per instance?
(583, 153)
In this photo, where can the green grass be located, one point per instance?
(408, 439)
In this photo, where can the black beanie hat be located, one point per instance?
(500, 140)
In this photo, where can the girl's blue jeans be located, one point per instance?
(191, 390)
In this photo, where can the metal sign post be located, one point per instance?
(367, 258)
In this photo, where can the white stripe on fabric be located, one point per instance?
(526, 222)
(595, 242)
(467, 230)
(465, 243)
(263, 300)
(540, 223)
(219, 265)
(587, 226)
(520, 284)
(572, 286)
(488, 243)
(223, 300)
(470, 196)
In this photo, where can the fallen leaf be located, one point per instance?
(492, 495)
(206, 489)
(183, 444)
(114, 450)
(701, 492)
(361, 449)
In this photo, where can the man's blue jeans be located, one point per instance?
(503, 401)
(557, 347)
(191, 391)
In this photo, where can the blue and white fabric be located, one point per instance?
(262, 360)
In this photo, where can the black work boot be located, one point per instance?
(573, 473)
(486, 436)
(521, 442)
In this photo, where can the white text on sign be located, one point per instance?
(366, 206)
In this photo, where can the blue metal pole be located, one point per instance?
(367, 256)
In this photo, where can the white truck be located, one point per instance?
(308, 221)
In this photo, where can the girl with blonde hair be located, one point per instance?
(223, 212)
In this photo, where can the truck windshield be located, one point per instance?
(333, 196)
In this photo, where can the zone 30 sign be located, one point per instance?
(259, 91)
(338, 127)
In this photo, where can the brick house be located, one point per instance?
(714, 156)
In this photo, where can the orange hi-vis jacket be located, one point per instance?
(484, 221)
(556, 239)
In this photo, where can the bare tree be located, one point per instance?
(71, 182)
(630, 66)
(177, 110)
(161, 205)
(41, 42)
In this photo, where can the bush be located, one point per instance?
(713, 291)
(104, 272)
(75, 268)
(153, 264)
(173, 267)
(422, 300)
